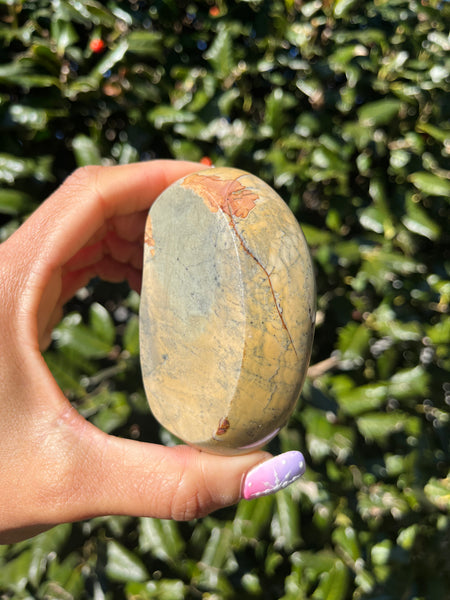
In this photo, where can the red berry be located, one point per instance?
(214, 11)
(206, 161)
(97, 45)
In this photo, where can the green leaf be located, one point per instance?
(34, 118)
(342, 7)
(346, 541)
(227, 101)
(88, 12)
(111, 59)
(385, 322)
(123, 565)
(438, 492)
(377, 427)
(295, 586)
(251, 520)
(65, 373)
(430, 184)
(162, 538)
(162, 589)
(65, 575)
(380, 553)
(86, 151)
(277, 103)
(112, 411)
(73, 335)
(324, 158)
(323, 437)
(34, 556)
(334, 584)
(440, 333)
(218, 548)
(377, 191)
(379, 112)
(441, 135)
(216, 560)
(363, 399)
(132, 301)
(371, 218)
(409, 383)
(418, 221)
(14, 576)
(342, 56)
(82, 85)
(101, 323)
(353, 343)
(24, 74)
(315, 236)
(220, 53)
(162, 116)
(313, 564)
(44, 56)
(285, 525)
(407, 536)
(14, 202)
(14, 167)
(131, 336)
(64, 33)
(381, 499)
(44, 546)
(146, 43)
(385, 261)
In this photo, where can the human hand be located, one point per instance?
(55, 466)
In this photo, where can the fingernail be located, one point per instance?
(273, 475)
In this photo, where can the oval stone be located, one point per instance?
(227, 311)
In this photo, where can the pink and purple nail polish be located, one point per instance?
(273, 475)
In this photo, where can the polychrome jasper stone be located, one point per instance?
(227, 311)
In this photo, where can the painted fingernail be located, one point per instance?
(273, 475)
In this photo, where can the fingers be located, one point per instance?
(95, 219)
(89, 203)
(91, 196)
(111, 245)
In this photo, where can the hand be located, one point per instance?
(56, 466)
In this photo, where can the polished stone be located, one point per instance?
(227, 311)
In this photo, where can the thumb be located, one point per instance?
(105, 475)
(179, 483)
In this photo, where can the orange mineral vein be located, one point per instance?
(228, 195)
(148, 236)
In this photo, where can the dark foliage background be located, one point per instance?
(342, 106)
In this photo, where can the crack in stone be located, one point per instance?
(267, 274)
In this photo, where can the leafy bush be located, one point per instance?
(342, 106)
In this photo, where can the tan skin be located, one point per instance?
(55, 466)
